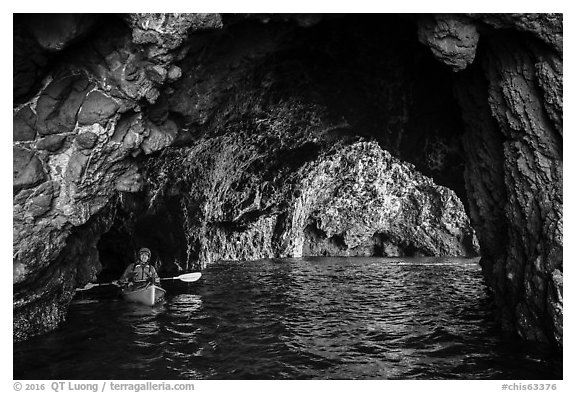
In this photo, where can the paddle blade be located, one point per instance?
(190, 277)
(91, 285)
(87, 287)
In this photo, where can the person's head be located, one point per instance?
(144, 255)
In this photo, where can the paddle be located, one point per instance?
(188, 277)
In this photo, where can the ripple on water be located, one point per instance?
(329, 318)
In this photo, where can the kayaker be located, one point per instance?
(140, 271)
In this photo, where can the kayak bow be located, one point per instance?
(148, 295)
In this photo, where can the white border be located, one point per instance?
(304, 6)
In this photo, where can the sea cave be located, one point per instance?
(212, 137)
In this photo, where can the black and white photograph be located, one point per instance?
(287, 196)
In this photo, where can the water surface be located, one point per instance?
(310, 318)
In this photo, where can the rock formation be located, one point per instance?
(513, 111)
(256, 136)
(354, 200)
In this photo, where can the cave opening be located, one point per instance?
(289, 94)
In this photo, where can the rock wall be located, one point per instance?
(76, 145)
(512, 104)
(530, 116)
(263, 135)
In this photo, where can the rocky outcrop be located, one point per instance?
(169, 30)
(361, 197)
(452, 39)
(251, 136)
(75, 144)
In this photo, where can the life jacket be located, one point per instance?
(143, 268)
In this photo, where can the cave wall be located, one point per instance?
(219, 126)
(525, 98)
(512, 104)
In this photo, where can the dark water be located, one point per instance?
(344, 318)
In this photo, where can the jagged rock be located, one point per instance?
(51, 143)
(169, 30)
(161, 36)
(23, 125)
(123, 73)
(86, 140)
(452, 39)
(27, 170)
(97, 108)
(159, 137)
(122, 69)
(362, 192)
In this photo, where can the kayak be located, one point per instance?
(148, 295)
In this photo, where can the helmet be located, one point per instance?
(145, 250)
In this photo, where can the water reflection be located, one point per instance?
(296, 318)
